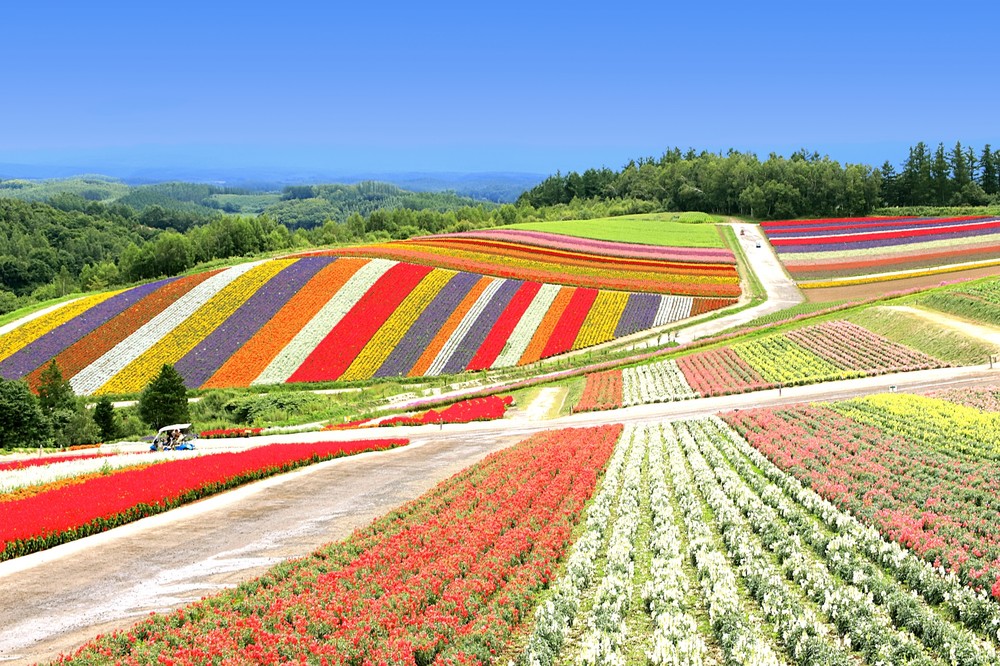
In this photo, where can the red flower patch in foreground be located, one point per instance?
(447, 578)
(99, 504)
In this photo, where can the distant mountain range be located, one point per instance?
(498, 187)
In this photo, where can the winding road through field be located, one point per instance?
(53, 601)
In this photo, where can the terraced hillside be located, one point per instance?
(378, 311)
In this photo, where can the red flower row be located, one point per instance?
(446, 579)
(476, 409)
(72, 512)
(226, 433)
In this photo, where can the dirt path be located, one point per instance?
(53, 601)
(984, 332)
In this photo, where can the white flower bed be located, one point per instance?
(675, 641)
(655, 382)
(521, 336)
(741, 639)
(305, 341)
(555, 616)
(115, 359)
(673, 308)
(607, 631)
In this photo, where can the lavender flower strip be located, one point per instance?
(201, 362)
(931, 222)
(639, 314)
(882, 242)
(470, 344)
(422, 332)
(53, 343)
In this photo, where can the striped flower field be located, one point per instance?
(818, 252)
(321, 317)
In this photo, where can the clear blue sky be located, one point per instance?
(526, 86)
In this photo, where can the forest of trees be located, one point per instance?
(798, 186)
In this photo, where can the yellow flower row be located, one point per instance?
(188, 333)
(781, 360)
(886, 277)
(392, 331)
(27, 333)
(601, 321)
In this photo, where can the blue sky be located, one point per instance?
(519, 86)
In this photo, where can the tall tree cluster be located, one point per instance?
(732, 184)
(960, 176)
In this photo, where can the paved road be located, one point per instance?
(53, 601)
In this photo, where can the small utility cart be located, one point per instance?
(176, 437)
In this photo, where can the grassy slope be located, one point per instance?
(668, 229)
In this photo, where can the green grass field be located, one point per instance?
(668, 229)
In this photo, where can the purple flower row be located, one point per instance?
(639, 314)
(882, 242)
(199, 364)
(33, 356)
(470, 344)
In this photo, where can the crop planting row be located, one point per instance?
(448, 578)
(823, 249)
(321, 318)
(564, 260)
(823, 352)
(73, 504)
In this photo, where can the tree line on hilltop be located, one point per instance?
(802, 185)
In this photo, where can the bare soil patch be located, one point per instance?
(875, 289)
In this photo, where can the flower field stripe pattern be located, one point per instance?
(71, 512)
(824, 252)
(547, 326)
(580, 269)
(603, 318)
(609, 248)
(101, 371)
(719, 372)
(194, 328)
(937, 502)
(334, 354)
(779, 360)
(252, 359)
(23, 335)
(655, 382)
(446, 579)
(524, 332)
(992, 225)
(444, 335)
(852, 347)
(422, 333)
(474, 337)
(95, 344)
(565, 333)
(464, 324)
(375, 352)
(495, 341)
(51, 344)
(673, 308)
(208, 356)
(489, 408)
(359, 280)
(639, 314)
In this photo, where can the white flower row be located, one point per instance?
(849, 605)
(118, 357)
(305, 341)
(742, 640)
(797, 625)
(455, 339)
(855, 542)
(676, 640)
(13, 479)
(555, 616)
(525, 329)
(673, 308)
(607, 630)
(654, 382)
